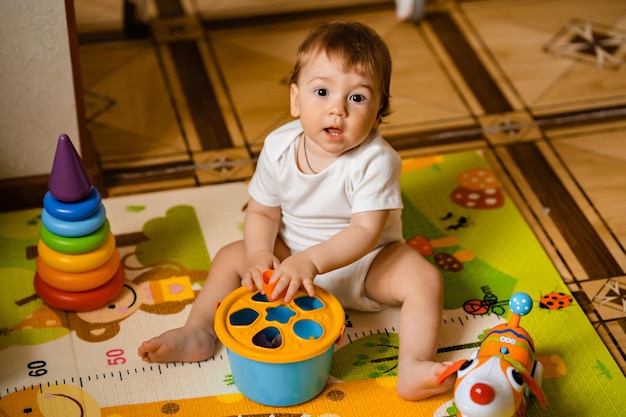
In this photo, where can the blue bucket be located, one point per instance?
(281, 384)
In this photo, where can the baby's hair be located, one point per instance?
(358, 45)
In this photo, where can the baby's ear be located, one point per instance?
(293, 100)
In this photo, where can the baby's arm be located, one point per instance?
(260, 229)
(350, 244)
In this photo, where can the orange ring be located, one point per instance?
(78, 281)
(77, 263)
(80, 301)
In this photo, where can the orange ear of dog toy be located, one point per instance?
(535, 388)
(450, 370)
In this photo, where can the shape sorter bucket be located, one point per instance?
(280, 353)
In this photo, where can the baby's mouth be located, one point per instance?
(333, 131)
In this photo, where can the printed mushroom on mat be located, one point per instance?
(453, 262)
(427, 246)
(478, 188)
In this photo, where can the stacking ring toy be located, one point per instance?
(77, 228)
(74, 211)
(80, 301)
(75, 245)
(77, 263)
(78, 281)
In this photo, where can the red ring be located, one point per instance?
(78, 281)
(80, 301)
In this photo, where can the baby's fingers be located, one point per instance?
(247, 281)
(293, 287)
(309, 287)
(274, 286)
(257, 277)
(252, 279)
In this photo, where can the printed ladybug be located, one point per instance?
(555, 301)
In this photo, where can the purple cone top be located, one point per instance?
(68, 178)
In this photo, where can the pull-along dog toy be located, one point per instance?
(499, 378)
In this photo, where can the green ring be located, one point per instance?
(75, 245)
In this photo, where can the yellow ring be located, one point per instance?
(77, 263)
(78, 281)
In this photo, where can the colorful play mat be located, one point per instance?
(456, 213)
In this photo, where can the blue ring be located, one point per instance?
(74, 211)
(74, 229)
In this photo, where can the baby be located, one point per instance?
(324, 208)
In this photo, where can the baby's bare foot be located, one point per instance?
(184, 344)
(417, 380)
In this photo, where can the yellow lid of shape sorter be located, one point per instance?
(250, 325)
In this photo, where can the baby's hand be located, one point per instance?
(294, 272)
(257, 263)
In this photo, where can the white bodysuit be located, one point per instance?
(316, 207)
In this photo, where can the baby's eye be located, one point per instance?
(321, 92)
(358, 98)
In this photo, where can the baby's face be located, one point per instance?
(338, 107)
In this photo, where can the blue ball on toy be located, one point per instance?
(520, 303)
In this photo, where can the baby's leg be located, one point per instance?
(401, 276)
(195, 341)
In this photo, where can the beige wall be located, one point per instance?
(37, 101)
